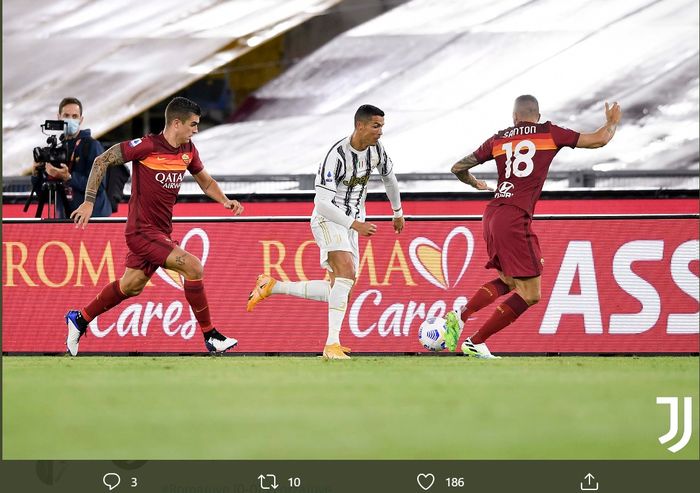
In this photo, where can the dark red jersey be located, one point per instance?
(523, 154)
(157, 173)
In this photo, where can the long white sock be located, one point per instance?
(337, 305)
(309, 290)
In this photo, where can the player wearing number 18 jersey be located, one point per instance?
(523, 154)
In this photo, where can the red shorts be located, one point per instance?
(511, 245)
(148, 250)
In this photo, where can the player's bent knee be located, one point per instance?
(194, 270)
(132, 285)
(532, 299)
(343, 268)
(133, 290)
(195, 274)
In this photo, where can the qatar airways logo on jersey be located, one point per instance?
(504, 190)
(170, 180)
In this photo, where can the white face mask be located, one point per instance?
(73, 126)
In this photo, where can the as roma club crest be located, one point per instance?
(186, 159)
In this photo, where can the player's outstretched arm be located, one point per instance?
(211, 189)
(111, 157)
(461, 170)
(604, 134)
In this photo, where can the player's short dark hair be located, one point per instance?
(66, 101)
(526, 105)
(366, 112)
(180, 109)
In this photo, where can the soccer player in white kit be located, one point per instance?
(337, 220)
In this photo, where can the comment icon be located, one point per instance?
(111, 480)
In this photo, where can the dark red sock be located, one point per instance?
(487, 294)
(109, 297)
(197, 298)
(504, 315)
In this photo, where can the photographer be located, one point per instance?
(81, 149)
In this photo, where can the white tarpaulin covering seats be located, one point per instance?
(447, 71)
(120, 57)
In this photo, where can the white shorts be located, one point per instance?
(331, 237)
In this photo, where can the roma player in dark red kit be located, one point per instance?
(523, 154)
(159, 164)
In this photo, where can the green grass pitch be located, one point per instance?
(393, 407)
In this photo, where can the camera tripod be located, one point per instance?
(49, 192)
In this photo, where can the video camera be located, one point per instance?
(55, 153)
(49, 190)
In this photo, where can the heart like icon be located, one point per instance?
(425, 481)
(431, 261)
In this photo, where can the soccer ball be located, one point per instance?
(431, 334)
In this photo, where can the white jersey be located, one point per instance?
(345, 172)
